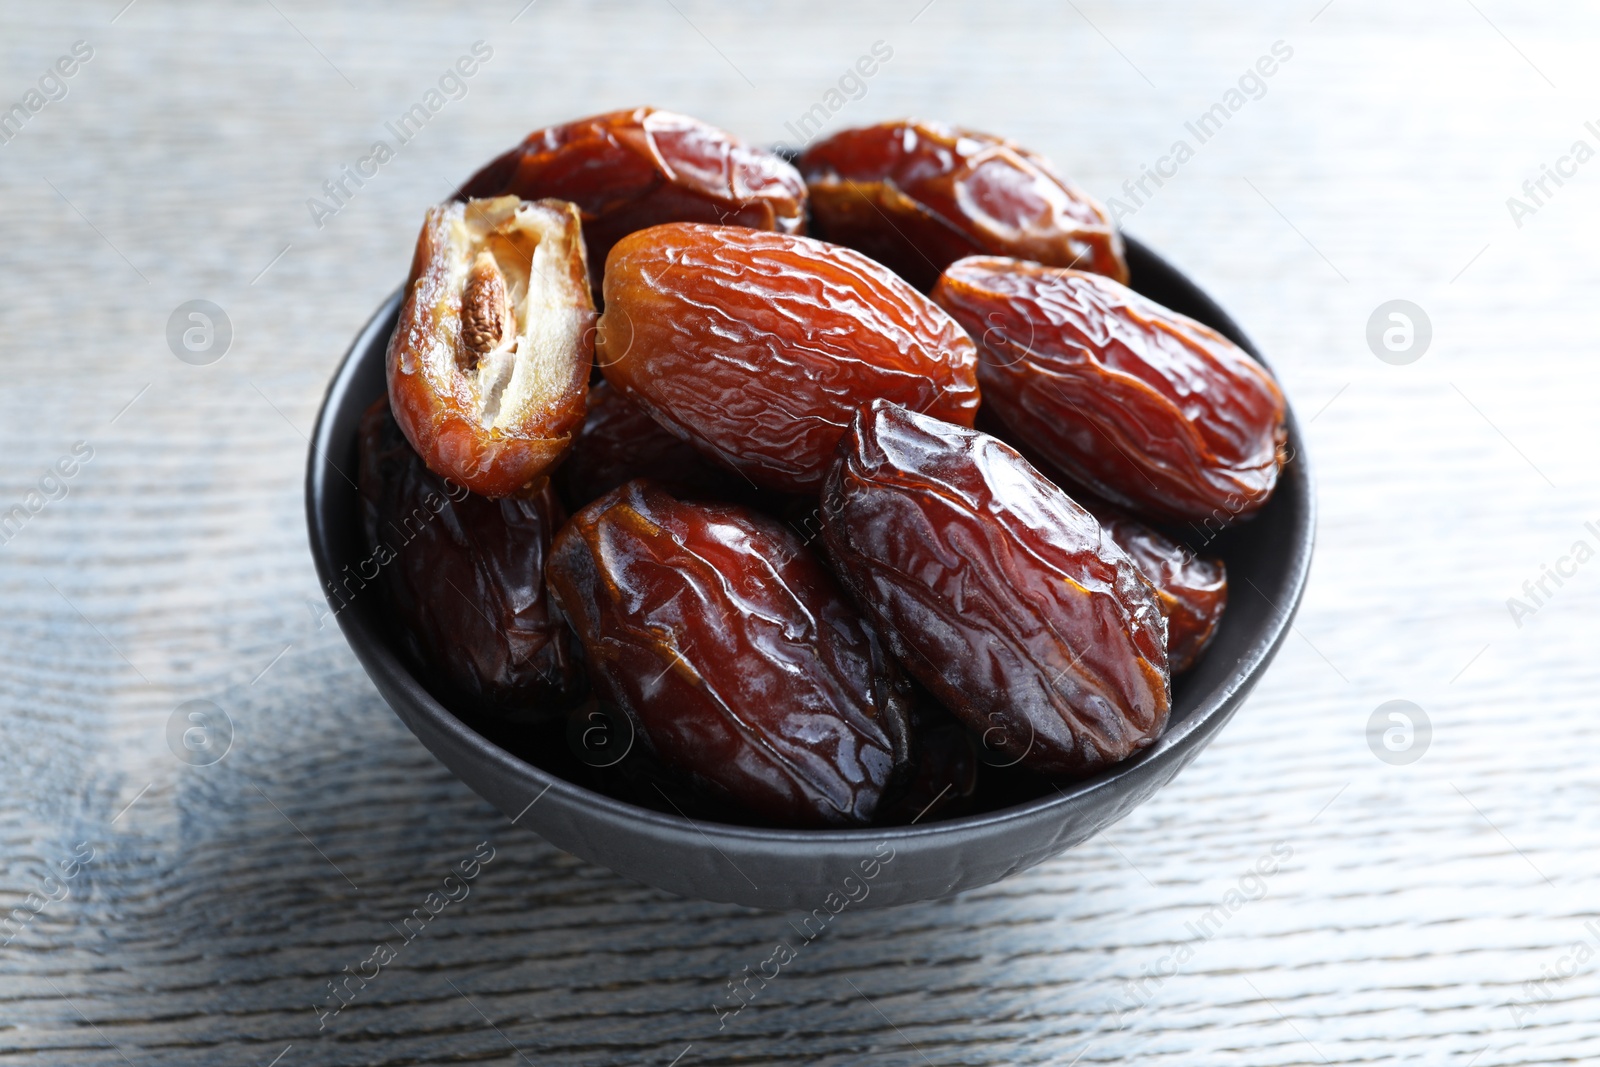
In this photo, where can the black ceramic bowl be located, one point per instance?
(1267, 560)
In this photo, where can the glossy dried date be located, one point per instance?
(997, 592)
(759, 347)
(734, 652)
(1148, 408)
(466, 577)
(1192, 590)
(628, 170)
(918, 196)
(944, 769)
(489, 363)
(619, 442)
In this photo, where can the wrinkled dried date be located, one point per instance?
(619, 442)
(735, 653)
(1146, 407)
(918, 196)
(466, 577)
(759, 347)
(1192, 590)
(997, 592)
(944, 768)
(628, 170)
(489, 363)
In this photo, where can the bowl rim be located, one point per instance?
(1219, 701)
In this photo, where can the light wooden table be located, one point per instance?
(1414, 909)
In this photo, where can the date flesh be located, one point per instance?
(759, 347)
(465, 575)
(918, 196)
(734, 652)
(997, 592)
(1192, 590)
(1145, 407)
(629, 170)
(489, 363)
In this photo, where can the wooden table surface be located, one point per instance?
(1433, 911)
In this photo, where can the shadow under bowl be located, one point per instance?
(1268, 559)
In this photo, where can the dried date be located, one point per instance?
(1145, 407)
(619, 442)
(759, 347)
(489, 363)
(629, 170)
(735, 654)
(466, 577)
(944, 768)
(1192, 590)
(997, 592)
(918, 196)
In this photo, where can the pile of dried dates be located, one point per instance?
(678, 470)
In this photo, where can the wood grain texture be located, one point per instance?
(1411, 903)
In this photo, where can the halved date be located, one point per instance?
(920, 195)
(1148, 408)
(628, 170)
(997, 592)
(759, 347)
(489, 363)
(736, 655)
(466, 577)
(1192, 590)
